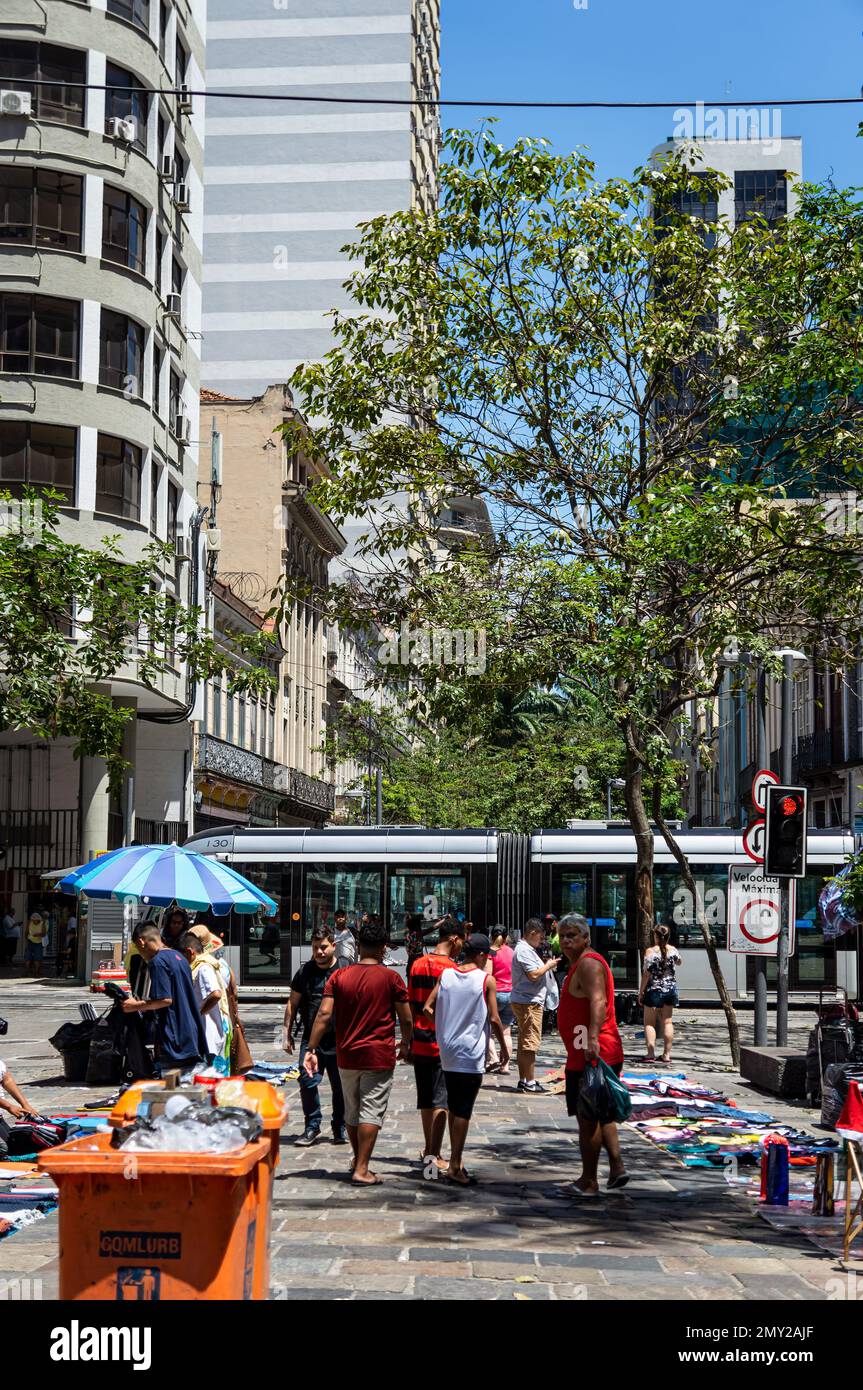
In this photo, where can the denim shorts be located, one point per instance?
(661, 998)
(504, 1008)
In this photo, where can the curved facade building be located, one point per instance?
(101, 215)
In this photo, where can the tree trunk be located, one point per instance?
(712, 954)
(641, 829)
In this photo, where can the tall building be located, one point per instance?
(101, 222)
(261, 761)
(828, 703)
(287, 182)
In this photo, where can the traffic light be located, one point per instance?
(785, 818)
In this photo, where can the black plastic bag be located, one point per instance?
(602, 1096)
(104, 1067)
(72, 1035)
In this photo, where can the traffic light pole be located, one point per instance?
(761, 961)
(784, 916)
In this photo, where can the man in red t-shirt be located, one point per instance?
(425, 1053)
(364, 1001)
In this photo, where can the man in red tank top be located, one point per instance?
(587, 1025)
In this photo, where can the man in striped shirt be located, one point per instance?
(425, 1053)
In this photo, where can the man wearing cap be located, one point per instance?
(463, 1004)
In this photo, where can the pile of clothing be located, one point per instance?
(704, 1129)
(26, 1194)
(277, 1073)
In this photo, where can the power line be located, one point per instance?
(440, 102)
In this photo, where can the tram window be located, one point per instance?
(427, 893)
(571, 892)
(673, 905)
(331, 888)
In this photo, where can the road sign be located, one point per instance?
(760, 782)
(753, 841)
(754, 908)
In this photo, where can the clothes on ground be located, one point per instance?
(179, 1027)
(574, 1014)
(462, 1020)
(524, 990)
(309, 983)
(365, 997)
(424, 975)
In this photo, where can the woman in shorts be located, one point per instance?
(658, 993)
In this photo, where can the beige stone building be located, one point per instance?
(267, 528)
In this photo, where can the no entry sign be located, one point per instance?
(754, 908)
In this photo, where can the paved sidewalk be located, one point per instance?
(674, 1233)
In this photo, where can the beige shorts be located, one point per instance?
(529, 1020)
(366, 1095)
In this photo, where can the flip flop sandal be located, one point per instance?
(466, 1181)
(577, 1195)
(618, 1183)
(374, 1182)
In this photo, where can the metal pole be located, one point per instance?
(379, 797)
(761, 961)
(608, 798)
(784, 926)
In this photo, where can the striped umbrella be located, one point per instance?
(165, 874)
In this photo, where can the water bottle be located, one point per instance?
(775, 1157)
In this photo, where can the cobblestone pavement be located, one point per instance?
(675, 1233)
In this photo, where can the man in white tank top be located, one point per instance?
(464, 1006)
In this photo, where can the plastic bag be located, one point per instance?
(602, 1095)
(72, 1035)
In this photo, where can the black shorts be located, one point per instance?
(573, 1082)
(431, 1086)
(462, 1089)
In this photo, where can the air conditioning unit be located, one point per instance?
(15, 103)
(182, 428)
(123, 128)
(184, 98)
(173, 305)
(214, 539)
(183, 548)
(181, 197)
(167, 171)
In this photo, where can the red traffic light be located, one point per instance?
(790, 806)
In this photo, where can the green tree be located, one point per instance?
(50, 587)
(653, 406)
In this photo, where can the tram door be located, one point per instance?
(605, 895)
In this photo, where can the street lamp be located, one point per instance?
(618, 784)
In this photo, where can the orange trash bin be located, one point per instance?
(144, 1227)
(270, 1104)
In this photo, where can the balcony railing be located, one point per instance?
(815, 752)
(39, 839)
(226, 760)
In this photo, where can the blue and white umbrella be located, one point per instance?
(165, 874)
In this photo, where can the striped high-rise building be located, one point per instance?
(287, 181)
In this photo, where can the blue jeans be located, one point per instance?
(310, 1096)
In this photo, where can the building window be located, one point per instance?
(175, 403)
(164, 16)
(760, 193)
(118, 477)
(158, 367)
(38, 336)
(241, 724)
(38, 456)
(253, 725)
(121, 353)
(229, 706)
(137, 12)
(178, 275)
(126, 98)
(216, 710)
(53, 76)
(181, 63)
(160, 257)
(124, 229)
(173, 512)
(41, 208)
(155, 476)
(271, 729)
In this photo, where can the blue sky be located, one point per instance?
(741, 51)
